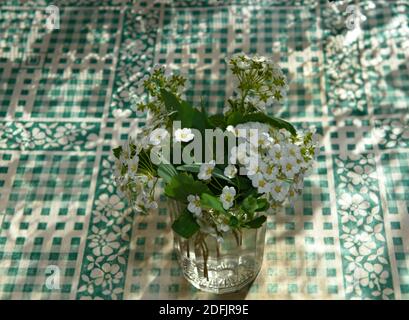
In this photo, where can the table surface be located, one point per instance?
(65, 101)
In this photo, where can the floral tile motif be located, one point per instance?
(106, 250)
(392, 133)
(367, 272)
(65, 136)
(385, 57)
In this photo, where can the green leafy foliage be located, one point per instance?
(146, 164)
(218, 121)
(188, 116)
(233, 222)
(218, 173)
(209, 201)
(185, 225)
(249, 204)
(256, 222)
(262, 205)
(195, 168)
(117, 151)
(182, 185)
(171, 101)
(166, 172)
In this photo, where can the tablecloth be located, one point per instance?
(66, 99)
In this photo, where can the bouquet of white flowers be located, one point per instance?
(225, 170)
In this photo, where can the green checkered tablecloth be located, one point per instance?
(65, 101)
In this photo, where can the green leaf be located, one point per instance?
(195, 168)
(182, 185)
(218, 173)
(167, 171)
(249, 204)
(144, 157)
(205, 116)
(256, 222)
(262, 204)
(211, 202)
(245, 185)
(117, 152)
(185, 225)
(171, 101)
(237, 118)
(186, 114)
(218, 121)
(233, 222)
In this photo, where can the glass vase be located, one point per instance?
(219, 267)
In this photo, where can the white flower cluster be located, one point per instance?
(271, 163)
(275, 161)
(260, 81)
(133, 177)
(152, 84)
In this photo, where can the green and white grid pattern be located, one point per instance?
(65, 101)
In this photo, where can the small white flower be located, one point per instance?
(239, 154)
(194, 205)
(260, 183)
(259, 58)
(157, 136)
(144, 142)
(253, 166)
(293, 151)
(133, 166)
(289, 167)
(184, 135)
(230, 171)
(264, 140)
(232, 130)
(276, 153)
(279, 190)
(125, 153)
(206, 170)
(269, 171)
(227, 197)
(144, 203)
(243, 65)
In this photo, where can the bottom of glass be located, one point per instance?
(226, 275)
